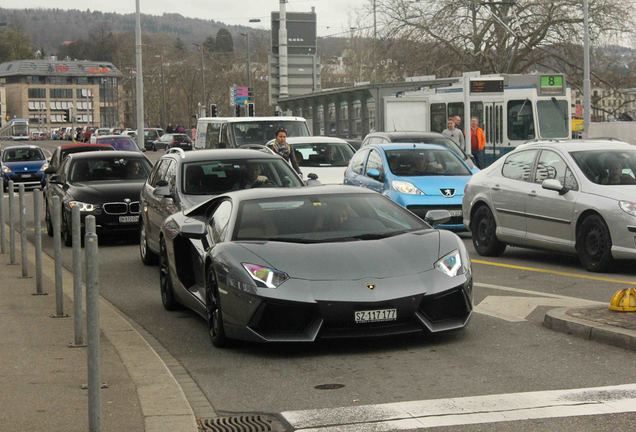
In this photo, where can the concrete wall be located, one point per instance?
(624, 131)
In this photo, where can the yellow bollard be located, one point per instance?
(623, 300)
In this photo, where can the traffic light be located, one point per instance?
(214, 111)
(251, 111)
(67, 116)
(237, 110)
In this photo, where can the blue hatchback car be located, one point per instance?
(419, 177)
(23, 164)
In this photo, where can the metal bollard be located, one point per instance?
(3, 240)
(37, 220)
(11, 224)
(76, 224)
(23, 233)
(92, 313)
(57, 256)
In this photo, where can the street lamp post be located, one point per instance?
(587, 105)
(248, 64)
(140, 79)
(200, 46)
(163, 92)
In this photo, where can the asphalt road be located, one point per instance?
(492, 356)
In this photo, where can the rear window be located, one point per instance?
(121, 143)
(182, 139)
(323, 154)
(69, 151)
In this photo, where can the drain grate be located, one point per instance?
(243, 423)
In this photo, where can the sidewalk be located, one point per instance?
(41, 378)
(595, 323)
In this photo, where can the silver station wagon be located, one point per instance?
(574, 196)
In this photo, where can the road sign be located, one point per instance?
(239, 95)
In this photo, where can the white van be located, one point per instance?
(236, 132)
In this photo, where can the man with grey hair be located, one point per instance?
(455, 134)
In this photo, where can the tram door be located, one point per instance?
(493, 128)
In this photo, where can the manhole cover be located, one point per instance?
(329, 386)
(243, 423)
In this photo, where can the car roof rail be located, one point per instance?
(178, 150)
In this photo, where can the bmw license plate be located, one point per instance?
(128, 219)
(379, 315)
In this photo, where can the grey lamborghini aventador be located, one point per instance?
(302, 264)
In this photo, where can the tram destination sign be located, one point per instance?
(485, 85)
(551, 85)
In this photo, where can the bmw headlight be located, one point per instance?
(265, 277)
(6, 169)
(628, 207)
(450, 264)
(405, 187)
(84, 207)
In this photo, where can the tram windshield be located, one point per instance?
(553, 118)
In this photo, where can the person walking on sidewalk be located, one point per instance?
(477, 142)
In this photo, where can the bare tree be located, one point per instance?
(499, 36)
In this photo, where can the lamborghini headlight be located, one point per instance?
(450, 264)
(265, 277)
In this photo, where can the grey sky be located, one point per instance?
(334, 16)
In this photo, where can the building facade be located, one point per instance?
(607, 104)
(43, 90)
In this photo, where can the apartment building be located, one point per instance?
(43, 90)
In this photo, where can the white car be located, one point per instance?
(572, 196)
(327, 157)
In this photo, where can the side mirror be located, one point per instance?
(163, 192)
(375, 174)
(437, 217)
(554, 185)
(55, 179)
(50, 170)
(193, 230)
(312, 176)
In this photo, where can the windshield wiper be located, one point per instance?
(371, 236)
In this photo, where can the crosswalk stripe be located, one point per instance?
(467, 410)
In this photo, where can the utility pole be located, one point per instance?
(375, 38)
(248, 63)
(140, 79)
(587, 104)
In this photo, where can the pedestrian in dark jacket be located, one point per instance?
(282, 148)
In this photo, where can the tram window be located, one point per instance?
(520, 120)
(456, 108)
(553, 118)
(438, 117)
(477, 110)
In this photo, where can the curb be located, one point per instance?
(162, 400)
(559, 320)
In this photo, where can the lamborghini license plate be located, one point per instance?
(379, 315)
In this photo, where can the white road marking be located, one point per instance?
(517, 308)
(467, 410)
(534, 293)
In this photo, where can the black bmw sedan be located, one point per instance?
(105, 184)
